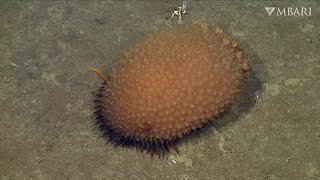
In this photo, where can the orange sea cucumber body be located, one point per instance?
(172, 82)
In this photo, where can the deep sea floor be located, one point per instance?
(47, 128)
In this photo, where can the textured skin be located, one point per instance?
(174, 81)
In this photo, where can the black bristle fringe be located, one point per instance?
(153, 147)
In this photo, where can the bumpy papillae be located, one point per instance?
(172, 82)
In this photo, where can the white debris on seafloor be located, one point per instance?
(179, 11)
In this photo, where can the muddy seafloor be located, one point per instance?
(47, 128)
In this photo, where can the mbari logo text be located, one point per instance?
(289, 11)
